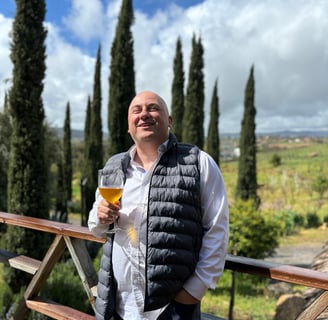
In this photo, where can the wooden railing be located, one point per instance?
(73, 238)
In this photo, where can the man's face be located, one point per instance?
(148, 118)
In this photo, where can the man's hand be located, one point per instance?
(185, 298)
(107, 212)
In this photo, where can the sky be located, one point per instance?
(285, 40)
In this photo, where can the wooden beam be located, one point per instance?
(50, 226)
(56, 310)
(291, 274)
(19, 262)
(315, 308)
(84, 266)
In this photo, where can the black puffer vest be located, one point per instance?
(174, 229)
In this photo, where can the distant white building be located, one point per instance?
(236, 152)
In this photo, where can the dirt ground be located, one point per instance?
(300, 255)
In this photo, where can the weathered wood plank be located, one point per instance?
(291, 274)
(19, 262)
(315, 308)
(55, 310)
(84, 266)
(49, 226)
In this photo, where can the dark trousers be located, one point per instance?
(177, 311)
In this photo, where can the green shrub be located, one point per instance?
(320, 185)
(287, 221)
(325, 218)
(275, 160)
(253, 233)
(313, 220)
(6, 298)
(299, 220)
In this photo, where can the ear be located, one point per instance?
(170, 121)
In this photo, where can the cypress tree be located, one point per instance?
(96, 134)
(84, 200)
(5, 134)
(94, 156)
(87, 128)
(246, 188)
(27, 180)
(213, 138)
(121, 81)
(61, 194)
(67, 165)
(193, 117)
(177, 105)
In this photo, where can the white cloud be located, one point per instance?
(86, 19)
(6, 65)
(285, 39)
(69, 78)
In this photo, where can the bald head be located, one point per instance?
(148, 118)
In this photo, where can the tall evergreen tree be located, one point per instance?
(213, 138)
(246, 188)
(96, 133)
(5, 134)
(67, 148)
(87, 128)
(27, 180)
(121, 81)
(61, 192)
(177, 105)
(193, 117)
(94, 157)
(85, 197)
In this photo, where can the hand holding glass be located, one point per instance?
(110, 185)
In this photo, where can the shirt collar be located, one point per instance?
(161, 149)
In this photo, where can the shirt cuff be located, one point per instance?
(195, 287)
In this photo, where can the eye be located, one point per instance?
(153, 107)
(136, 110)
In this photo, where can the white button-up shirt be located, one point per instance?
(129, 247)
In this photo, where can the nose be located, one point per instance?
(144, 113)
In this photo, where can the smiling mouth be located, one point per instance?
(146, 124)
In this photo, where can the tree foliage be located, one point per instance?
(177, 90)
(86, 197)
(213, 138)
(5, 134)
(61, 193)
(67, 148)
(252, 233)
(93, 143)
(320, 185)
(193, 117)
(246, 187)
(28, 171)
(121, 81)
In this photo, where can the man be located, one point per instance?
(172, 235)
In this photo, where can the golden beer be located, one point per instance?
(111, 194)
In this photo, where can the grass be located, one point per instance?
(251, 300)
(305, 237)
(290, 185)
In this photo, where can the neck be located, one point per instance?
(146, 157)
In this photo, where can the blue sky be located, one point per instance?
(284, 39)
